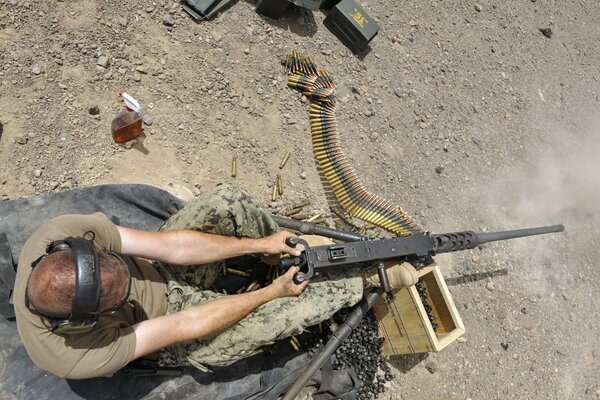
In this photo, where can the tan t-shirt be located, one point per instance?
(110, 345)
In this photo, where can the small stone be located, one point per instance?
(246, 51)
(93, 109)
(303, 175)
(490, 286)
(147, 119)
(547, 32)
(431, 367)
(439, 169)
(168, 20)
(526, 322)
(478, 7)
(124, 22)
(103, 61)
(504, 345)
(217, 35)
(21, 140)
(501, 314)
(461, 340)
(149, 9)
(142, 69)
(400, 93)
(137, 77)
(35, 69)
(37, 173)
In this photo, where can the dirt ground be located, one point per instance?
(463, 113)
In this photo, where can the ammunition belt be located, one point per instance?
(319, 88)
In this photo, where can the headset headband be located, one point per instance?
(87, 284)
(84, 309)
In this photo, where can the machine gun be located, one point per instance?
(418, 249)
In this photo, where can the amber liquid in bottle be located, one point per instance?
(126, 126)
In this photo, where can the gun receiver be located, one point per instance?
(417, 248)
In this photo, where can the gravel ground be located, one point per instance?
(480, 116)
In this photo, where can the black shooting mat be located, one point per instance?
(142, 207)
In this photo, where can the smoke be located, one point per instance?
(557, 182)
(564, 183)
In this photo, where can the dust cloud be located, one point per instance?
(558, 182)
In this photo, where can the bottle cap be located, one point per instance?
(130, 102)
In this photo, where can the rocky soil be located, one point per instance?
(470, 115)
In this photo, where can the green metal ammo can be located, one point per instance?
(328, 4)
(352, 25)
(272, 8)
(308, 4)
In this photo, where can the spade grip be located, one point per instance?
(299, 277)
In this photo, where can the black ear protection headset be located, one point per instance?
(84, 312)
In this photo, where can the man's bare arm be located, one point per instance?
(209, 318)
(186, 247)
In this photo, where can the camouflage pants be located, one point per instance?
(227, 210)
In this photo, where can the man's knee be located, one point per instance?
(228, 192)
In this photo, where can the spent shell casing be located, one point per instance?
(279, 185)
(274, 193)
(300, 217)
(237, 272)
(256, 352)
(234, 167)
(285, 160)
(294, 343)
(292, 211)
(320, 221)
(303, 203)
(311, 219)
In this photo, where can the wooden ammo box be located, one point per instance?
(351, 24)
(405, 323)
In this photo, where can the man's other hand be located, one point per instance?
(284, 286)
(275, 244)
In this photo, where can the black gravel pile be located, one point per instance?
(361, 352)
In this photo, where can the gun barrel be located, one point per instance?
(517, 233)
(456, 241)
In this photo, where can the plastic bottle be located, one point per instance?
(127, 125)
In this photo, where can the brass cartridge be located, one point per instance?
(234, 167)
(232, 271)
(285, 160)
(274, 193)
(279, 185)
